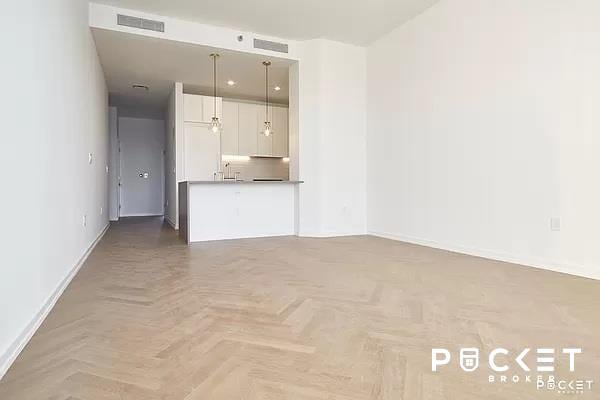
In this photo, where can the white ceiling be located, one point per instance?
(129, 59)
(351, 21)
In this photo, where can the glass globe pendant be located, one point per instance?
(215, 124)
(267, 129)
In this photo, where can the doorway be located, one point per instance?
(141, 166)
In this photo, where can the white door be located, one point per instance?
(142, 166)
(202, 152)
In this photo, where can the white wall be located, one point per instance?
(330, 136)
(483, 124)
(54, 114)
(142, 143)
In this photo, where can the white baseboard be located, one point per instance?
(19, 344)
(140, 215)
(329, 234)
(509, 258)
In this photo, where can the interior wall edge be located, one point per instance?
(13, 351)
(521, 260)
(170, 222)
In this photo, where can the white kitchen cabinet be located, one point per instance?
(192, 108)
(264, 143)
(201, 152)
(200, 109)
(242, 127)
(208, 108)
(230, 132)
(280, 131)
(248, 133)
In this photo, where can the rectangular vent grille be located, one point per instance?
(272, 46)
(140, 23)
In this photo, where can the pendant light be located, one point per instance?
(267, 129)
(215, 124)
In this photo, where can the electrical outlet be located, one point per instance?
(555, 223)
(85, 220)
(101, 210)
(107, 169)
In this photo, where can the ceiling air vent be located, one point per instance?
(272, 46)
(140, 23)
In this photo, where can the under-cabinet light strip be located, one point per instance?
(227, 157)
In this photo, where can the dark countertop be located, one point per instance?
(232, 182)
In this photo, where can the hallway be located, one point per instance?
(293, 318)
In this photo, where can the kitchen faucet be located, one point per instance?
(235, 176)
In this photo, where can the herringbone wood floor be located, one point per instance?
(350, 318)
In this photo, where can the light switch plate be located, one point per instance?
(90, 157)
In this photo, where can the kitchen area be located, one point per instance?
(203, 136)
(234, 160)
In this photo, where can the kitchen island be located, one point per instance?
(216, 210)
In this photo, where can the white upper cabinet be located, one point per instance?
(192, 108)
(230, 132)
(248, 132)
(208, 108)
(200, 109)
(265, 143)
(279, 120)
(242, 126)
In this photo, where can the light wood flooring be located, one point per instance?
(350, 318)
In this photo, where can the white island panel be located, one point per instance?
(240, 210)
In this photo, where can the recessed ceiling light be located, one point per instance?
(230, 82)
(277, 88)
